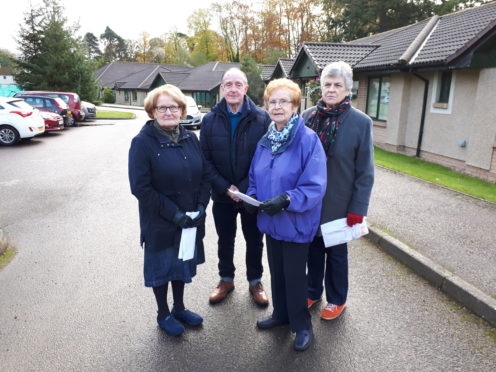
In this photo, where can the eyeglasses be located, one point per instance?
(237, 85)
(163, 109)
(281, 102)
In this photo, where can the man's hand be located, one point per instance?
(233, 197)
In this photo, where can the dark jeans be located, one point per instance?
(332, 263)
(225, 216)
(287, 263)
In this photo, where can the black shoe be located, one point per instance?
(303, 340)
(270, 323)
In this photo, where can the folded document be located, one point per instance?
(338, 232)
(188, 241)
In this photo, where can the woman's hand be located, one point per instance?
(276, 204)
(198, 220)
(353, 219)
(182, 220)
(251, 209)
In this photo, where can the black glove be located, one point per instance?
(198, 220)
(251, 209)
(182, 220)
(274, 205)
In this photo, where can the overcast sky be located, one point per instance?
(128, 19)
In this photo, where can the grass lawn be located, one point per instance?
(436, 173)
(102, 114)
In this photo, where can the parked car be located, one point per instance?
(52, 104)
(72, 100)
(89, 110)
(53, 121)
(18, 120)
(193, 114)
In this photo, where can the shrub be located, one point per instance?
(108, 95)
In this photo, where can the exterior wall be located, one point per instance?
(120, 98)
(482, 137)
(470, 117)
(7, 80)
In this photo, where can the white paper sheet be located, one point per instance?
(245, 198)
(188, 240)
(338, 232)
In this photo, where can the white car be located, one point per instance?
(193, 114)
(18, 120)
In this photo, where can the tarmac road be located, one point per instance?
(73, 297)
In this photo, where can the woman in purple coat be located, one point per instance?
(288, 174)
(168, 176)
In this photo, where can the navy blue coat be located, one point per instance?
(229, 158)
(166, 176)
(350, 166)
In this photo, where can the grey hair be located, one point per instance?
(337, 69)
(236, 71)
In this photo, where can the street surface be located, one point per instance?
(73, 298)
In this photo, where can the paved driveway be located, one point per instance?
(73, 297)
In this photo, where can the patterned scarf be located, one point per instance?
(279, 138)
(325, 121)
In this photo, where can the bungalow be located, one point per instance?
(266, 72)
(131, 81)
(429, 87)
(282, 68)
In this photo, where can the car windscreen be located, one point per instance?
(21, 104)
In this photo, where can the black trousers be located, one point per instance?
(329, 266)
(225, 218)
(287, 263)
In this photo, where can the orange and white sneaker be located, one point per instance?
(332, 311)
(310, 302)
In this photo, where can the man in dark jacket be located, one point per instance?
(229, 136)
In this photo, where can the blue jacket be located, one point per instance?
(300, 172)
(229, 157)
(166, 176)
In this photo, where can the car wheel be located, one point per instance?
(8, 135)
(70, 121)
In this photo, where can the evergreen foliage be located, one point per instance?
(51, 57)
(252, 70)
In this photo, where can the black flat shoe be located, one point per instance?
(303, 340)
(270, 323)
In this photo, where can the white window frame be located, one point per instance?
(436, 85)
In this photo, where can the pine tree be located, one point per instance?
(51, 57)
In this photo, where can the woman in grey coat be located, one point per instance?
(346, 134)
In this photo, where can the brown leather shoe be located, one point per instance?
(221, 291)
(258, 294)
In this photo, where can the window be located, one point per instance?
(445, 87)
(126, 95)
(135, 95)
(354, 90)
(378, 97)
(442, 92)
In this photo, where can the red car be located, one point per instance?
(52, 104)
(53, 121)
(72, 100)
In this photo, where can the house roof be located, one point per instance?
(282, 68)
(133, 75)
(206, 77)
(267, 71)
(6, 70)
(432, 42)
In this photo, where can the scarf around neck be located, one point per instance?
(325, 121)
(276, 138)
(172, 134)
